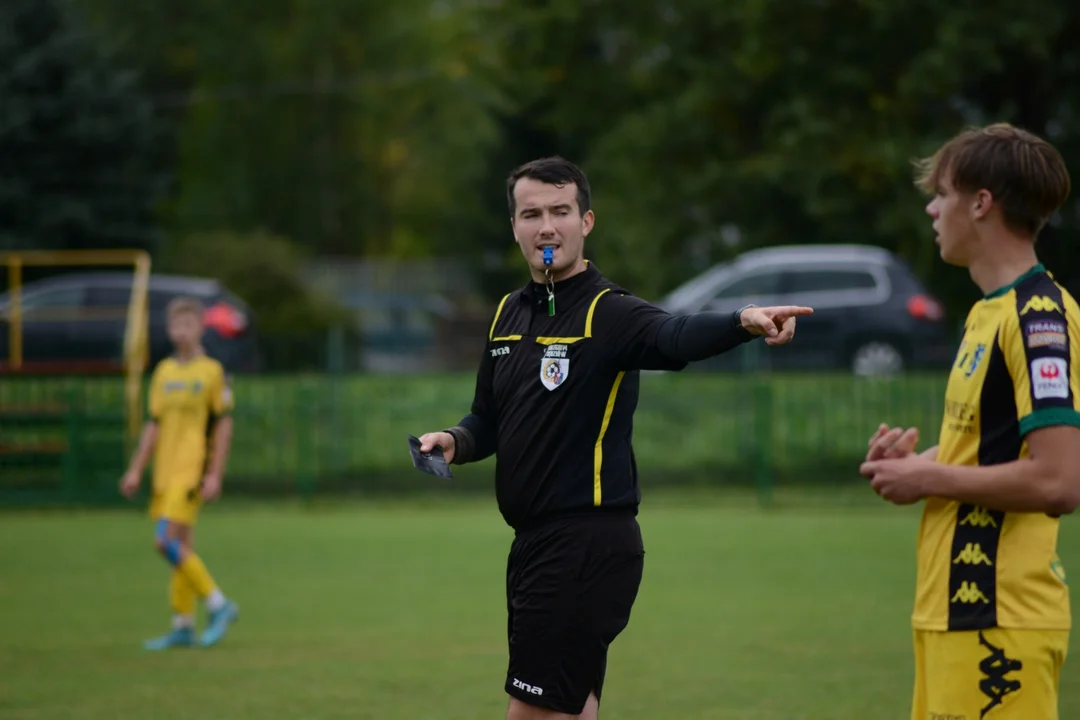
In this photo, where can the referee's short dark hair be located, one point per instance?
(553, 170)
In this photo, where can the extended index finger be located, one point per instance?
(792, 310)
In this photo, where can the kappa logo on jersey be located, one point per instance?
(554, 366)
(980, 518)
(969, 594)
(972, 554)
(1049, 378)
(1041, 303)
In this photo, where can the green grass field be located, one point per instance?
(393, 611)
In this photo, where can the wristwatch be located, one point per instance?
(736, 319)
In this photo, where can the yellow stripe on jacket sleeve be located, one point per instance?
(592, 309)
(498, 312)
(598, 451)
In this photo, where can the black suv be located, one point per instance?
(76, 322)
(872, 315)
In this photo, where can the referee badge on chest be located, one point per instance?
(554, 366)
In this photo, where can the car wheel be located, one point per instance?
(877, 358)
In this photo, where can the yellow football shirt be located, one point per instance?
(185, 401)
(1016, 371)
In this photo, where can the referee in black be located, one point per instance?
(555, 397)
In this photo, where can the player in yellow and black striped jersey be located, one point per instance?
(991, 616)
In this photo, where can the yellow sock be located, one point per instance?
(181, 595)
(197, 575)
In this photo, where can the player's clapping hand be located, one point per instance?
(892, 465)
(901, 481)
(444, 440)
(777, 324)
(891, 443)
(129, 484)
(211, 487)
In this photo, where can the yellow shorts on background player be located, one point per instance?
(188, 433)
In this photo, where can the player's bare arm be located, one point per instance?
(129, 483)
(223, 431)
(1048, 481)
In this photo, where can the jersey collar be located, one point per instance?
(1002, 290)
(567, 292)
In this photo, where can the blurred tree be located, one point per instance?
(703, 124)
(355, 128)
(707, 128)
(80, 162)
(292, 319)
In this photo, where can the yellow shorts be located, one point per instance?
(177, 502)
(994, 674)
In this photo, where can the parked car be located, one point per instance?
(872, 315)
(76, 322)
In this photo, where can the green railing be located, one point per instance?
(62, 439)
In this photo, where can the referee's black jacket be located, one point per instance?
(555, 395)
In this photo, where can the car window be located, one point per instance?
(48, 303)
(759, 284)
(110, 297)
(802, 281)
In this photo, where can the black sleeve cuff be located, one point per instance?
(464, 444)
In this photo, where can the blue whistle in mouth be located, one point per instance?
(549, 255)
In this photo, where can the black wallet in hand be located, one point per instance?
(432, 462)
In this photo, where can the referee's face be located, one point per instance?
(548, 215)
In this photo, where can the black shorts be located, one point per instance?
(570, 586)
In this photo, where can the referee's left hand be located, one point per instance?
(777, 324)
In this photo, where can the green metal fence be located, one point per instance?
(62, 439)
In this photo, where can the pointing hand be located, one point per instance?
(777, 324)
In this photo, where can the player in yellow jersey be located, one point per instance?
(188, 432)
(991, 617)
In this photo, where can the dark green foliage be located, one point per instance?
(80, 158)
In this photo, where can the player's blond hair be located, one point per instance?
(1025, 174)
(183, 305)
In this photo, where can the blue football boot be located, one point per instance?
(219, 623)
(179, 637)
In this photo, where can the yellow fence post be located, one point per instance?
(136, 332)
(15, 321)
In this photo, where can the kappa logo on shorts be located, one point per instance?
(528, 688)
(995, 666)
(554, 366)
